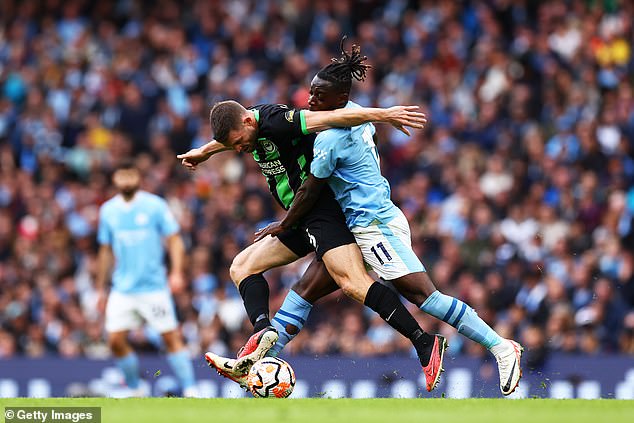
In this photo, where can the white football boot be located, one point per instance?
(508, 356)
(225, 367)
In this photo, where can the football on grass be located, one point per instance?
(271, 377)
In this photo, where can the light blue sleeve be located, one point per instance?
(167, 222)
(104, 235)
(325, 153)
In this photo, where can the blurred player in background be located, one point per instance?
(347, 160)
(132, 228)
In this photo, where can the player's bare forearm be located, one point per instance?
(213, 147)
(397, 116)
(103, 268)
(195, 156)
(322, 120)
(176, 249)
(304, 201)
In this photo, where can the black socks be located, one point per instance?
(386, 303)
(254, 291)
(424, 343)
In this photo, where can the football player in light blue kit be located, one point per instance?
(347, 159)
(132, 228)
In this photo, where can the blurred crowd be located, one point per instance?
(519, 193)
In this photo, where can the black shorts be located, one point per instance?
(323, 228)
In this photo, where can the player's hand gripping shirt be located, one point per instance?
(135, 232)
(284, 150)
(349, 159)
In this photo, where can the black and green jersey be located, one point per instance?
(284, 149)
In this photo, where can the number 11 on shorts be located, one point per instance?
(386, 254)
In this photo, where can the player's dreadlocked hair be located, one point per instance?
(341, 71)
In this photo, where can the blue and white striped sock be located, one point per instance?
(292, 314)
(129, 365)
(182, 366)
(462, 317)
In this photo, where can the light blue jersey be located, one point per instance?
(135, 231)
(350, 161)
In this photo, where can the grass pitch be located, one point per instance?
(158, 410)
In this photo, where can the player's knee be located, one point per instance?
(239, 269)
(173, 341)
(118, 345)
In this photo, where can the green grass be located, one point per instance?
(158, 410)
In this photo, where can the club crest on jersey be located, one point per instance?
(289, 115)
(268, 146)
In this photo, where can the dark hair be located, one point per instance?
(126, 164)
(341, 71)
(224, 117)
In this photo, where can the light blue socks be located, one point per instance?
(182, 367)
(129, 365)
(462, 317)
(294, 312)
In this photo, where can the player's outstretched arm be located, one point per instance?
(399, 117)
(305, 199)
(195, 156)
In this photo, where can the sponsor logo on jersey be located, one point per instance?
(272, 168)
(289, 115)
